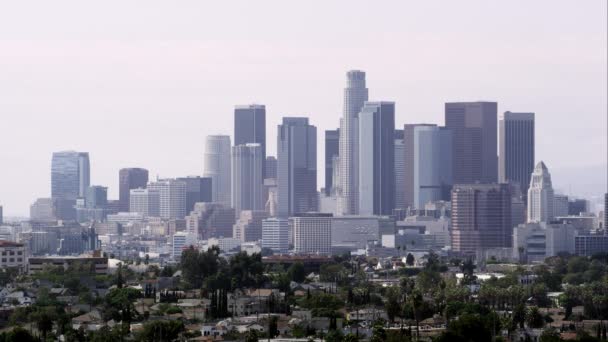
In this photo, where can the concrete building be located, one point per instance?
(536, 241)
(275, 234)
(42, 210)
(312, 233)
(247, 180)
(474, 126)
(211, 220)
(355, 95)
(400, 170)
(198, 189)
(560, 205)
(590, 244)
(350, 233)
(129, 179)
(481, 217)
(516, 149)
(217, 167)
(377, 158)
(577, 206)
(332, 149)
(297, 166)
(12, 255)
(70, 174)
(270, 167)
(248, 227)
(250, 128)
(428, 164)
(540, 195)
(99, 264)
(434, 232)
(145, 202)
(172, 198)
(181, 241)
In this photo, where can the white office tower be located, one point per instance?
(217, 167)
(540, 195)
(399, 173)
(181, 241)
(312, 233)
(275, 234)
(145, 202)
(355, 95)
(247, 180)
(172, 195)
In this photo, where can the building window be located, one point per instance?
(12, 260)
(19, 259)
(3, 259)
(20, 253)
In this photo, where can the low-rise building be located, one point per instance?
(99, 265)
(12, 255)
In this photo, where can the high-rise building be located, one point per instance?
(560, 205)
(217, 167)
(248, 227)
(275, 234)
(247, 180)
(1, 216)
(42, 210)
(270, 165)
(312, 233)
(428, 164)
(516, 149)
(145, 202)
(70, 175)
(399, 170)
(332, 149)
(481, 217)
(129, 179)
(172, 198)
(474, 126)
(198, 189)
(540, 195)
(96, 197)
(297, 166)
(250, 128)
(577, 206)
(606, 212)
(355, 96)
(377, 158)
(211, 220)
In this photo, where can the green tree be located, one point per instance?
(252, 336)
(161, 331)
(534, 319)
(296, 272)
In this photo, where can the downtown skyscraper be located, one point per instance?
(516, 149)
(377, 158)
(355, 96)
(332, 151)
(247, 181)
(474, 126)
(217, 167)
(297, 167)
(129, 179)
(250, 128)
(70, 175)
(540, 195)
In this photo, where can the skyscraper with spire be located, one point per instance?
(355, 95)
(540, 195)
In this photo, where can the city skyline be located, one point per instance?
(125, 128)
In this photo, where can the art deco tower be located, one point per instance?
(540, 195)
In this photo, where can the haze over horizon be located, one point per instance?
(143, 87)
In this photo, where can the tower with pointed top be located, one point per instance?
(540, 195)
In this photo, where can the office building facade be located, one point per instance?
(275, 234)
(297, 166)
(312, 233)
(247, 178)
(474, 131)
(250, 128)
(211, 220)
(172, 195)
(198, 189)
(129, 179)
(332, 150)
(377, 158)
(217, 167)
(399, 170)
(516, 149)
(540, 195)
(248, 227)
(70, 175)
(145, 202)
(270, 167)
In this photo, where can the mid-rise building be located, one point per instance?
(353, 232)
(590, 244)
(270, 167)
(297, 166)
(198, 189)
(481, 217)
(250, 128)
(247, 180)
(96, 197)
(181, 241)
(355, 95)
(42, 210)
(540, 195)
(533, 242)
(577, 206)
(70, 174)
(248, 227)
(473, 126)
(145, 202)
(377, 158)
(428, 164)
(312, 233)
(217, 167)
(99, 265)
(332, 149)
(129, 179)
(211, 220)
(516, 149)
(275, 234)
(560, 205)
(12, 255)
(172, 198)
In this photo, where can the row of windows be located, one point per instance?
(12, 260)
(12, 253)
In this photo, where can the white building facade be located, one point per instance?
(540, 195)
(217, 167)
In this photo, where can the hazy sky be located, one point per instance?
(141, 83)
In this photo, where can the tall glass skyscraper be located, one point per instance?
(247, 181)
(474, 126)
(355, 95)
(70, 175)
(250, 127)
(377, 158)
(516, 149)
(332, 149)
(297, 167)
(129, 179)
(217, 167)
